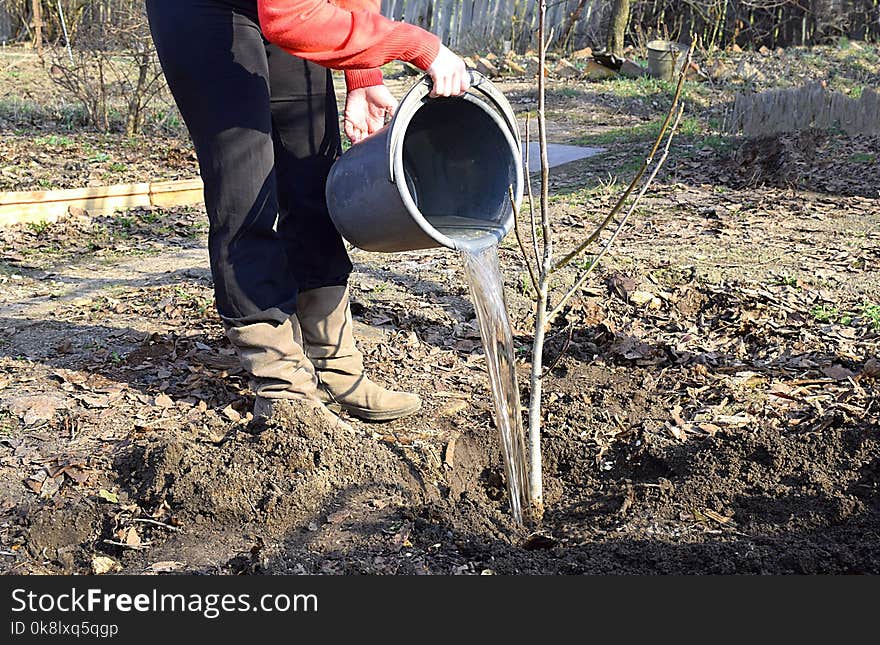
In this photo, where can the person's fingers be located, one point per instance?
(444, 85)
(457, 83)
(465, 80)
(349, 129)
(353, 132)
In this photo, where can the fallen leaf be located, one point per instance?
(95, 400)
(131, 537)
(231, 413)
(34, 485)
(449, 454)
(452, 408)
(338, 516)
(621, 285)
(709, 428)
(34, 408)
(871, 369)
(163, 401)
(640, 298)
(837, 372)
(50, 487)
(676, 432)
(76, 473)
(165, 566)
(732, 420)
(101, 564)
(107, 496)
(717, 517)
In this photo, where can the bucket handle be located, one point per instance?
(414, 98)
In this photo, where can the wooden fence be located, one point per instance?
(485, 24)
(796, 109)
(470, 25)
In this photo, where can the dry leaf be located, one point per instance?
(76, 473)
(709, 428)
(338, 516)
(165, 566)
(131, 537)
(36, 408)
(717, 517)
(163, 401)
(107, 496)
(640, 298)
(676, 432)
(871, 369)
(452, 408)
(837, 372)
(231, 413)
(101, 564)
(621, 285)
(35, 485)
(50, 487)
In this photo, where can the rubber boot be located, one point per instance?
(279, 369)
(327, 330)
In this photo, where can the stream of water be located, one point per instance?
(487, 291)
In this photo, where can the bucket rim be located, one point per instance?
(397, 136)
(665, 46)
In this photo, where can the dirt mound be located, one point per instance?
(812, 159)
(63, 534)
(278, 477)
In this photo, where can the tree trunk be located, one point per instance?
(617, 26)
(38, 25)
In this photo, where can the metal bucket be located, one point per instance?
(665, 59)
(439, 174)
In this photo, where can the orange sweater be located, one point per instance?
(348, 34)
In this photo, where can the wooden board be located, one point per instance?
(49, 205)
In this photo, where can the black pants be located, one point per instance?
(265, 129)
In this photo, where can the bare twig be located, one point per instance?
(532, 220)
(519, 240)
(583, 277)
(570, 331)
(635, 181)
(133, 547)
(144, 520)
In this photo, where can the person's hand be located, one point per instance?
(366, 110)
(449, 73)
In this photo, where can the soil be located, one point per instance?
(712, 406)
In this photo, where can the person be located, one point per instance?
(252, 81)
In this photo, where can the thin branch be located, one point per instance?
(536, 493)
(561, 354)
(144, 520)
(580, 281)
(635, 182)
(522, 247)
(133, 547)
(532, 220)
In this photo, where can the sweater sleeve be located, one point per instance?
(358, 78)
(341, 39)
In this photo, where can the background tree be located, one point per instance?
(617, 27)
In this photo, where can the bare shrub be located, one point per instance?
(111, 69)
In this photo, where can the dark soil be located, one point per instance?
(714, 408)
